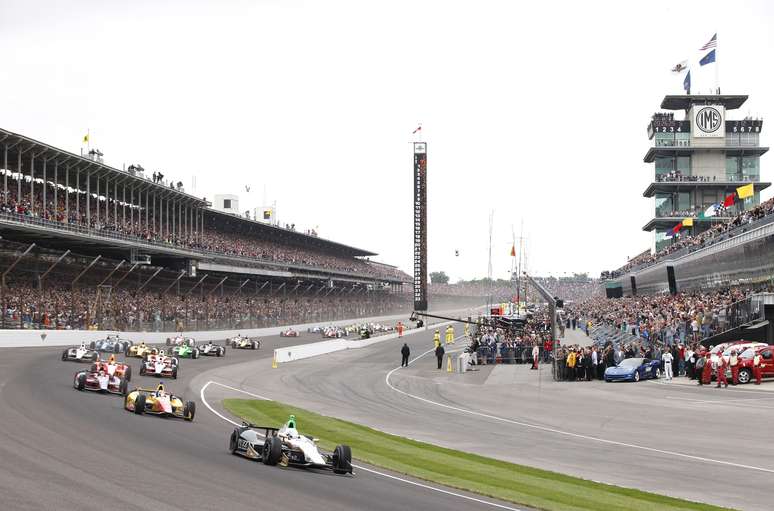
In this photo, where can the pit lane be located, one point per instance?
(64, 449)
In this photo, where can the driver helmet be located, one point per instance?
(83, 345)
(161, 353)
(292, 421)
(160, 389)
(112, 359)
(142, 343)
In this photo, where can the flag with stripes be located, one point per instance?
(712, 43)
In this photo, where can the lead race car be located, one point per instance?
(180, 340)
(159, 402)
(111, 344)
(212, 350)
(80, 354)
(244, 343)
(285, 446)
(160, 365)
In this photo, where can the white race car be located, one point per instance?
(244, 343)
(80, 354)
(285, 446)
(180, 340)
(212, 350)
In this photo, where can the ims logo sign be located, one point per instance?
(709, 120)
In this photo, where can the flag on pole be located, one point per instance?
(708, 58)
(729, 200)
(86, 138)
(680, 67)
(513, 251)
(745, 191)
(688, 222)
(687, 83)
(712, 211)
(419, 128)
(677, 228)
(712, 43)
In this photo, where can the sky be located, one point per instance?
(535, 111)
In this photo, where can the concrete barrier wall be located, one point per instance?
(32, 338)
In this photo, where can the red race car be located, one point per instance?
(113, 368)
(289, 333)
(100, 381)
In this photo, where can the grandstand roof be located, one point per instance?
(296, 237)
(650, 156)
(684, 101)
(28, 147)
(673, 186)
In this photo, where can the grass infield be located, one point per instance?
(510, 482)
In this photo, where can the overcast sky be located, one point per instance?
(536, 110)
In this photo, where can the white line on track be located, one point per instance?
(375, 472)
(566, 433)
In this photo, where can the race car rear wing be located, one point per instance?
(266, 429)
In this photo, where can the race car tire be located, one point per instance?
(195, 353)
(128, 373)
(745, 376)
(254, 345)
(272, 451)
(189, 411)
(142, 369)
(92, 345)
(64, 355)
(233, 344)
(220, 352)
(123, 387)
(94, 357)
(636, 376)
(174, 373)
(232, 442)
(342, 459)
(657, 374)
(169, 341)
(81, 381)
(139, 404)
(117, 348)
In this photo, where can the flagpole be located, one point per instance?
(717, 67)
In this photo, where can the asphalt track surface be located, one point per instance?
(61, 449)
(704, 444)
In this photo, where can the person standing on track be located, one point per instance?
(400, 329)
(721, 370)
(449, 334)
(405, 351)
(437, 338)
(439, 353)
(705, 365)
(535, 355)
(757, 368)
(733, 362)
(667, 358)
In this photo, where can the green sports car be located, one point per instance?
(185, 351)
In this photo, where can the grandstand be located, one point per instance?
(106, 236)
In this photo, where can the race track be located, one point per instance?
(674, 439)
(63, 449)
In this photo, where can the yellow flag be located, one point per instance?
(688, 222)
(745, 191)
(86, 138)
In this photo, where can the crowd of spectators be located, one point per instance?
(57, 307)
(113, 218)
(717, 232)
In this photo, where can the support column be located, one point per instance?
(19, 180)
(67, 194)
(5, 174)
(147, 209)
(115, 203)
(45, 185)
(88, 199)
(123, 208)
(96, 220)
(32, 183)
(56, 189)
(78, 193)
